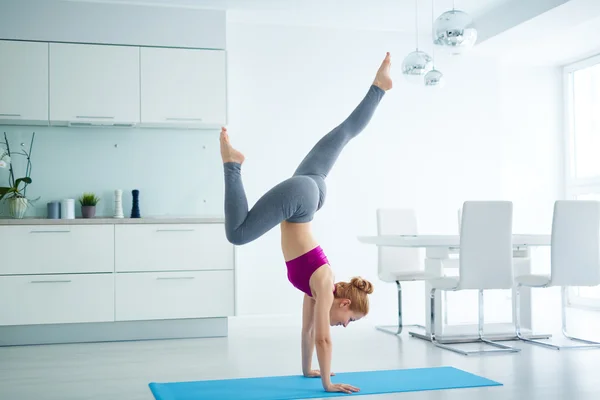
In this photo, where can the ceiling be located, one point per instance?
(395, 15)
(539, 32)
(561, 35)
(474, 6)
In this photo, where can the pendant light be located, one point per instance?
(416, 64)
(433, 78)
(454, 31)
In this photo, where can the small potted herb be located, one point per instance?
(88, 203)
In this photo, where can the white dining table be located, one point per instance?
(439, 250)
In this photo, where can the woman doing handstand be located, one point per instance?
(292, 204)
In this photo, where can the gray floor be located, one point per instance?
(123, 370)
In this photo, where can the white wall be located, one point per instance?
(425, 149)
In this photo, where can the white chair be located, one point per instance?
(574, 260)
(485, 263)
(397, 264)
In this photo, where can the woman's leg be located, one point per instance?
(321, 158)
(324, 154)
(295, 197)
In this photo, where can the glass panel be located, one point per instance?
(586, 121)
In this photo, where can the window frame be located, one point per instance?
(574, 186)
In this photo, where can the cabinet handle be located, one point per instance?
(175, 230)
(62, 281)
(50, 231)
(182, 119)
(160, 278)
(93, 117)
(9, 115)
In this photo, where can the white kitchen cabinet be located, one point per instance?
(82, 271)
(172, 247)
(183, 87)
(171, 295)
(56, 299)
(23, 83)
(94, 84)
(55, 249)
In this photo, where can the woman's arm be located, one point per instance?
(322, 335)
(323, 303)
(308, 335)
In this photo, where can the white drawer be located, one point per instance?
(169, 295)
(55, 299)
(167, 247)
(49, 249)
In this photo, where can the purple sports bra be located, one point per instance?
(301, 268)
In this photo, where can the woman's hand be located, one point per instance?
(315, 373)
(341, 387)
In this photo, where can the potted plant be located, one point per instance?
(88, 203)
(16, 191)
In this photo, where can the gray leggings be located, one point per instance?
(297, 198)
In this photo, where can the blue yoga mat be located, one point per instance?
(299, 387)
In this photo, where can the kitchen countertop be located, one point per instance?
(115, 221)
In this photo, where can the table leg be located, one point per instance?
(434, 265)
(522, 266)
(437, 259)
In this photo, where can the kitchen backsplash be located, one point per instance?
(178, 172)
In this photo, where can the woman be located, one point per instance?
(292, 204)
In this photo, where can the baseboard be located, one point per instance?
(112, 331)
(265, 320)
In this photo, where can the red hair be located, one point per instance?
(357, 291)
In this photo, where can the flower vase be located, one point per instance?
(135, 207)
(17, 207)
(118, 204)
(88, 211)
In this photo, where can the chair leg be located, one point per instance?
(499, 348)
(397, 329)
(588, 343)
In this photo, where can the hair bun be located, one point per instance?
(362, 284)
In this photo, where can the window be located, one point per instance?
(582, 155)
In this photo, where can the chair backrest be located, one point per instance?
(396, 221)
(575, 251)
(486, 245)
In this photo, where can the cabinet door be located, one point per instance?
(56, 249)
(172, 247)
(168, 295)
(183, 87)
(23, 82)
(95, 84)
(56, 299)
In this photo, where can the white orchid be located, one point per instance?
(4, 160)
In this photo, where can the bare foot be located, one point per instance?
(228, 153)
(383, 79)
